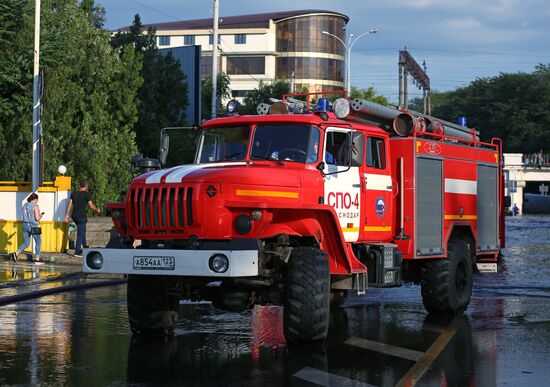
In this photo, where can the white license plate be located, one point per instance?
(154, 263)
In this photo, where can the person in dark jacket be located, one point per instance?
(79, 202)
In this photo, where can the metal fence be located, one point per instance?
(536, 160)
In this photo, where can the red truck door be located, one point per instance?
(377, 191)
(342, 178)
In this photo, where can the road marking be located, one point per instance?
(323, 378)
(387, 349)
(417, 371)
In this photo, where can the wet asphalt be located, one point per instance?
(384, 338)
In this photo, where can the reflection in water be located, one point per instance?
(455, 364)
(203, 357)
(32, 338)
(83, 337)
(11, 271)
(47, 340)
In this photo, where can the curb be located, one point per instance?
(60, 258)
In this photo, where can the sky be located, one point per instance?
(460, 40)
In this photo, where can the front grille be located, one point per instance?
(160, 210)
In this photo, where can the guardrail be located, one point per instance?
(537, 160)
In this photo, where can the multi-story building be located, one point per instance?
(262, 47)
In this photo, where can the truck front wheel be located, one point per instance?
(150, 308)
(307, 304)
(447, 283)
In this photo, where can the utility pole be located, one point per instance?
(407, 65)
(215, 61)
(36, 108)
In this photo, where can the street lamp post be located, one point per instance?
(347, 48)
(215, 61)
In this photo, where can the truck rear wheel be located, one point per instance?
(447, 283)
(307, 304)
(150, 308)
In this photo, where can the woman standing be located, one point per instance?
(31, 217)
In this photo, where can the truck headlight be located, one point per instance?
(218, 263)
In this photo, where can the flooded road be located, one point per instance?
(383, 339)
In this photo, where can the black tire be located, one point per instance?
(447, 283)
(150, 308)
(307, 303)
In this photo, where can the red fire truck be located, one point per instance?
(299, 204)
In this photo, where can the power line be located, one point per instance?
(455, 51)
(156, 10)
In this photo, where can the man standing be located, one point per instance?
(80, 200)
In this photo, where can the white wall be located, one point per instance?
(54, 204)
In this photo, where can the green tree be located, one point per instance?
(89, 97)
(94, 12)
(509, 106)
(368, 94)
(163, 95)
(275, 89)
(15, 89)
(222, 92)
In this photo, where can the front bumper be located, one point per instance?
(242, 263)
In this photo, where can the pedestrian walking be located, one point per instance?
(539, 158)
(79, 202)
(515, 210)
(31, 226)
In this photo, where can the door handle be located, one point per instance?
(356, 186)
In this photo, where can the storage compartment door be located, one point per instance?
(429, 206)
(487, 208)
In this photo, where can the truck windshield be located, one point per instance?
(298, 143)
(223, 144)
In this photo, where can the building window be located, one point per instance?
(240, 38)
(189, 40)
(305, 34)
(164, 40)
(245, 65)
(206, 66)
(310, 68)
(211, 39)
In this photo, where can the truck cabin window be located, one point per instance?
(298, 143)
(339, 148)
(224, 144)
(376, 153)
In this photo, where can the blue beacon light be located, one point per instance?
(322, 105)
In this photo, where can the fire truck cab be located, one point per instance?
(291, 209)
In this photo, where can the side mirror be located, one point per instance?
(164, 147)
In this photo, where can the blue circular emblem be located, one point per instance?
(380, 206)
